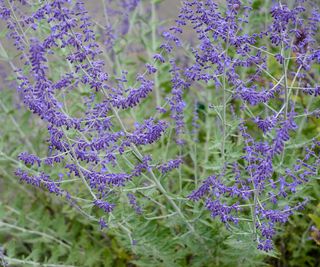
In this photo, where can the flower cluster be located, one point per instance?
(88, 144)
(257, 92)
(226, 50)
(255, 188)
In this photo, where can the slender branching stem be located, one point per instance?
(33, 263)
(154, 47)
(44, 235)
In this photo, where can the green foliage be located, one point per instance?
(38, 229)
(294, 242)
(315, 217)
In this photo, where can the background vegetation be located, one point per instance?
(40, 229)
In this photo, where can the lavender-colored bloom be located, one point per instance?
(267, 230)
(141, 167)
(87, 143)
(161, 110)
(106, 206)
(118, 13)
(148, 132)
(253, 97)
(203, 190)
(170, 165)
(227, 58)
(195, 123)
(100, 181)
(134, 204)
(283, 133)
(265, 245)
(102, 223)
(159, 57)
(219, 195)
(265, 124)
(221, 210)
(42, 179)
(151, 69)
(176, 102)
(29, 159)
(136, 95)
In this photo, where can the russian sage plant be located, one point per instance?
(211, 121)
(235, 62)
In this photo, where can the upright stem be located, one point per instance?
(208, 127)
(73, 155)
(284, 69)
(44, 235)
(15, 123)
(24, 39)
(195, 165)
(158, 184)
(32, 263)
(155, 180)
(140, 157)
(254, 213)
(154, 47)
(224, 121)
(22, 134)
(224, 103)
